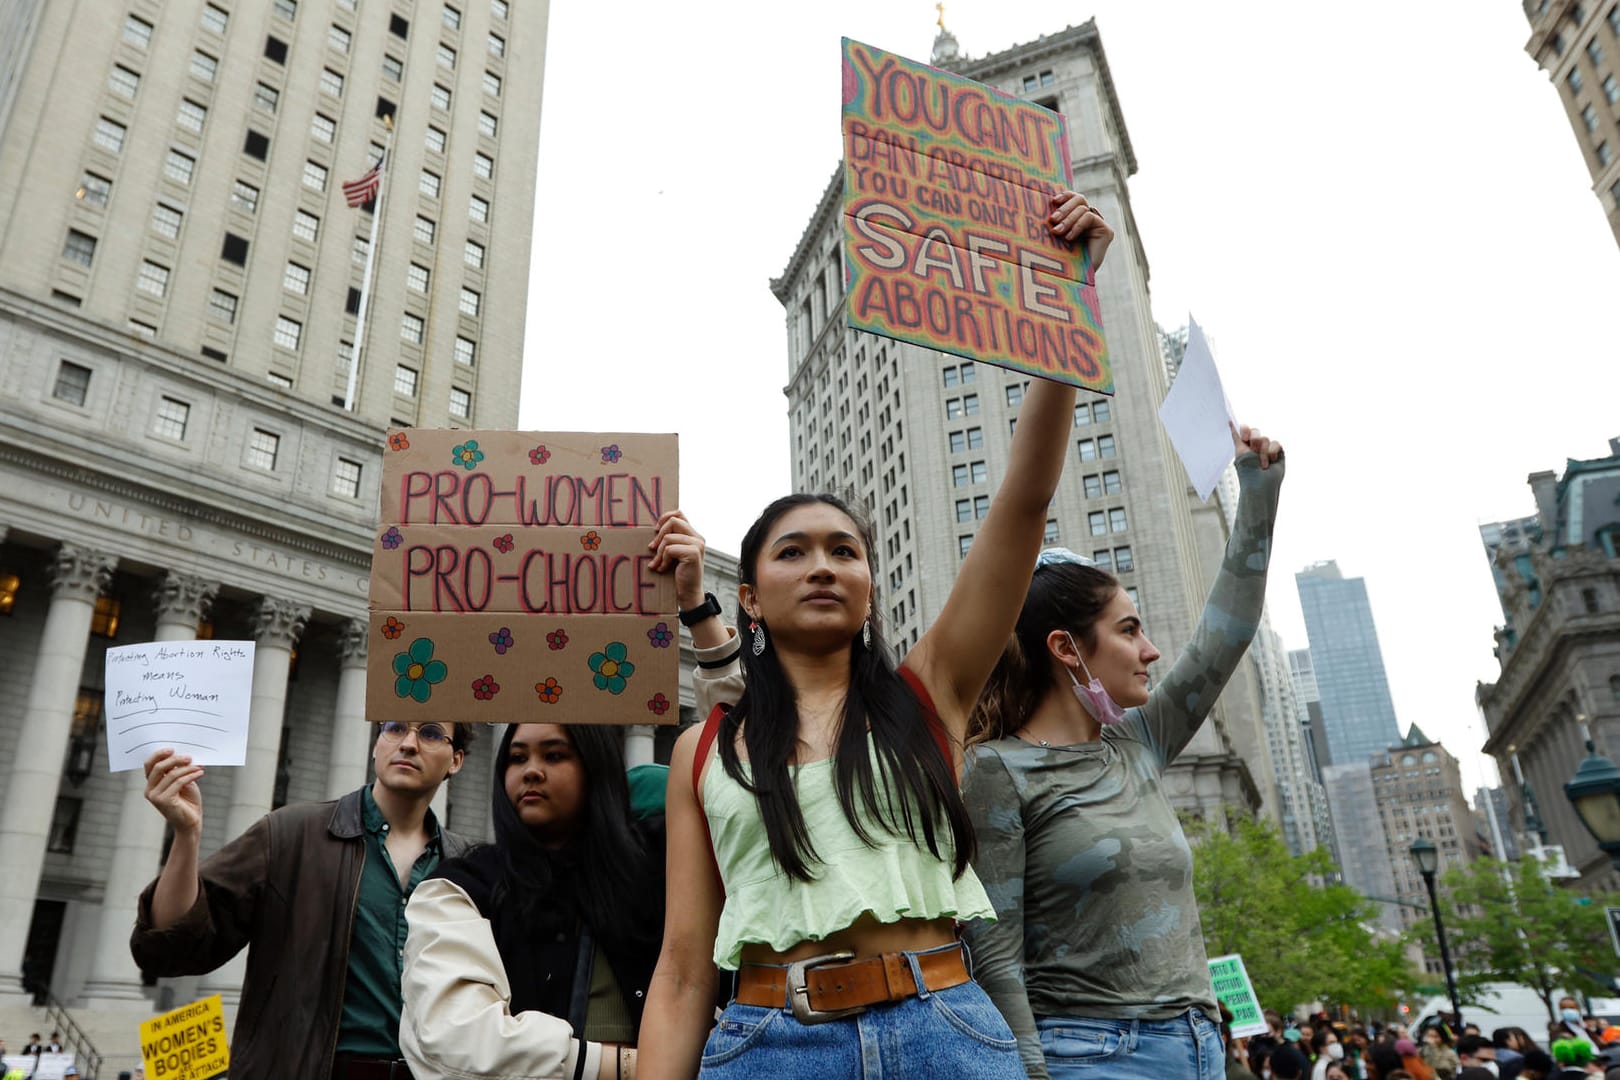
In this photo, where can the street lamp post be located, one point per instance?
(1427, 857)
(1595, 792)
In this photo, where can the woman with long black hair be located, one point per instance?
(817, 840)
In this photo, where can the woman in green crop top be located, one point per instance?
(838, 974)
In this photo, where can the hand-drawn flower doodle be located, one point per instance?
(549, 691)
(591, 540)
(611, 454)
(398, 441)
(557, 640)
(502, 640)
(660, 636)
(467, 455)
(658, 705)
(539, 456)
(504, 544)
(485, 688)
(392, 538)
(417, 671)
(391, 628)
(611, 668)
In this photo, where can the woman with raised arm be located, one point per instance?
(818, 844)
(1097, 956)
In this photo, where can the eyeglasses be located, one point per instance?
(426, 734)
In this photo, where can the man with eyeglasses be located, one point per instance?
(316, 892)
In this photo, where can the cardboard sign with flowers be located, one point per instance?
(511, 579)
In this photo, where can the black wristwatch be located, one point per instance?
(710, 606)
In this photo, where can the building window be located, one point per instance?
(483, 166)
(145, 329)
(346, 478)
(470, 301)
(72, 383)
(460, 403)
(1124, 563)
(1594, 52)
(123, 82)
(1082, 414)
(351, 301)
(203, 66)
(1111, 484)
(296, 279)
(410, 328)
(395, 71)
(245, 197)
(79, 248)
(306, 226)
(497, 45)
(256, 145)
(447, 57)
(466, 351)
(275, 378)
(331, 83)
(1104, 559)
(166, 221)
(138, 32)
(222, 305)
(1116, 519)
(109, 135)
(265, 97)
(1088, 449)
(1097, 521)
(287, 9)
(262, 448)
(963, 545)
(440, 97)
(953, 409)
(1576, 83)
(338, 38)
(214, 19)
(1050, 536)
(314, 176)
(975, 438)
(417, 277)
(1093, 486)
(358, 253)
(1589, 117)
(951, 375)
(1015, 394)
(499, 8)
(234, 250)
(1101, 412)
(153, 279)
(451, 17)
(399, 26)
(275, 50)
(192, 116)
(64, 825)
(424, 231)
(478, 209)
(1105, 446)
(288, 332)
(487, 125)
(171, 418)
(980, 474)
(958, 442)
(1611, 89)
(323, 128)
(492, 84)
(1603, 154)
(179, 167)
(964, 510)
(404, 380)
(959, 476)
(473, 255)
(429, 184)
(435, 140)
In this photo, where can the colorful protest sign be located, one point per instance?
(1234, 990)
(193, 696)
(186, 1044)
(947, 188)
(511, 579)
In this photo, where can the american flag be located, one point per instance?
(361, 191)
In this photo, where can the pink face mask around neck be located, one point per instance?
(1093, 698)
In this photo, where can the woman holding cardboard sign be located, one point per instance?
(531, 956)
(817, 841)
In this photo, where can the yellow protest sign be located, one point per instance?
(186, 1044)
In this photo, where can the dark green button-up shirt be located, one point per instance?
(372, 1000)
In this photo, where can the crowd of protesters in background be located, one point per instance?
(1437, 1048)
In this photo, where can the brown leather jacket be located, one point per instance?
(286, 889)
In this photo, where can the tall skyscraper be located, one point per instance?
(179, 298)
(1313, 746)
(1358, 717)
(1577, 43)
(922, 437)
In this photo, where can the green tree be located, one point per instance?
(1300, 940)
(1508, 922)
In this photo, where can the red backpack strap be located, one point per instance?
(700, 757)
(936, 727)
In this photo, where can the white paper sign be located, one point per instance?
(1197, 416)
(192, 696)
(43, 1067)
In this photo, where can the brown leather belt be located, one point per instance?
(827, 987)
(349, 1067)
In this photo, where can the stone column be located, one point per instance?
(351, 735)
(78, 575)
(638, 745)
(277, 625)
(182, 601)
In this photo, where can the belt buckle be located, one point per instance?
(799, 993)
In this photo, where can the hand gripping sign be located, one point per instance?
(947, 188)
(511, 579)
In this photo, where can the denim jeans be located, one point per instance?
(956, 1033)
(1080, 1046)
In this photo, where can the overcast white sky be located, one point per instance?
(1378, 211)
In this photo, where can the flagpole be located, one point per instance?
(371, 260)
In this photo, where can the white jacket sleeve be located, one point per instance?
(718, 676)
(457, 1023)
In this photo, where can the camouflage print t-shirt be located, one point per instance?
(1080, 850)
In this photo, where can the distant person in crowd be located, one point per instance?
(1511, 1043)
(1474, 1050)
(1574, 1058)
(1383, 1063)
(54, 1045)
(1412, 1061)
(1538, 1065)
(34, 1046)
(1287, 1063)
(1437, 1051)
(1237, 1051)
(1336, 1071)
(1327, 1050)
(316, 894)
